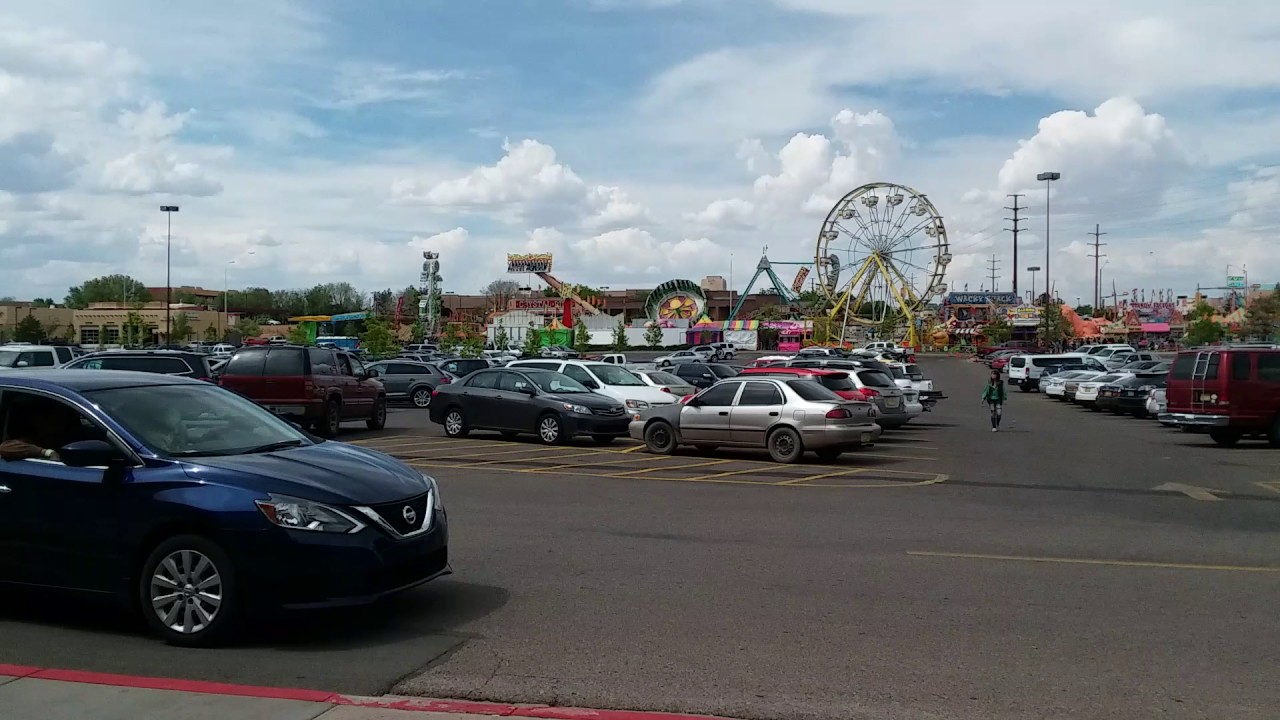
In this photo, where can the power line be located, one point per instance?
(995, 265)
(1097, 255)
(1015, 230)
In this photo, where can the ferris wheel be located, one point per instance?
(882, 251)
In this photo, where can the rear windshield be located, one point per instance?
(875, 378)
(1018, 362)
(666, 379)
(837, 382)
(246, 362)
(812, 391)
(898, 374)
(285, 362)
(1184, 366)
(913, 370)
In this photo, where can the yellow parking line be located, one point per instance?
(1272, 485)
(727, 473)
(465, 463)
(424, 441)
(635, 448)
(859, 453)
(1095, 561)
(606, 462)
(479, 453)
(670, 467)
(809, 478)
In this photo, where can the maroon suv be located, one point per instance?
(317, 387)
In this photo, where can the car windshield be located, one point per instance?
(876, 378)
(9, 358)
(196, 420)
(662, 378)
(837, 382)
(614, 375)
(898, 374)
(813, 392)
(723, 371)
(554, 382)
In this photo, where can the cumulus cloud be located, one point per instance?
(33, 163)
(154, 167)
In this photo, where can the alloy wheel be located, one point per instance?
(453, 422)
(186, 592)
(422, 398)
(549, 429)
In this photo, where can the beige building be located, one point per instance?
(101, 323)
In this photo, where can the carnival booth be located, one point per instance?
(744, 334)
(791, 334)
(704, 332)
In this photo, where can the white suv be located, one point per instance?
(21, 355)
(614, 381)
(1025, 371)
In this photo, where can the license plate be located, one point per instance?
(891, 402)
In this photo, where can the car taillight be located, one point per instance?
(435, 393)
(870, 393)
(666, 389)
(685, 399)
(838, 414)
(446, 380)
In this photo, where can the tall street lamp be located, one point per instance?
(168, 211)
(226, 289)
(1033, 270)
(1047, 178)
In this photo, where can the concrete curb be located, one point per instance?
(412, 704)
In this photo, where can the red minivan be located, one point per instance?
(319, 387)
(1230, 392)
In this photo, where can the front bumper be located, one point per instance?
(1195, 420)
(611, 425)
(840, 435)
(290, 569)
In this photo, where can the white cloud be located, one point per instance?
(449, 242)
(360, 84)
(33, 163)
(154, 166)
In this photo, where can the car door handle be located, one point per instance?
(4, 489)
(724, 413)
(773, 414)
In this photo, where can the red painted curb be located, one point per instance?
(464, 707)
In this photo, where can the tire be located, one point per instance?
(1141, 413)
(455, 423)
(420, 397)
(187, 564)
(660, 438)
(604, 439)
(1024, 387)
(551, 430)
(785, 445)
(329, 425)
(828, 454)
(378, 419)
(706, 448)
(1225, 436)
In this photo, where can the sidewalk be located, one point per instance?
(27, 692)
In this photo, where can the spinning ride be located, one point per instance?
(882, 253)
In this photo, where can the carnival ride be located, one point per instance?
(428, 309)
(787, 294)
(676, 300)
(889, 241)
(539, 264)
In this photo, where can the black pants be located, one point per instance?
(997, 409)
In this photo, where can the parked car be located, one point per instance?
(462, 367)
(1128, 396)
(23, 355)
(515, 400)
(1054, 386)
(185, 363)
(787, 416)
(1025, 370)
(666, 382)
(723, 351)
(198, 508)
(679, 357)
(1157, 406)
(408, 381)
(1086, 393)
(703, 375)
(837, 381)
(616, 382)
(1232, 393)
(560, 352)
(317, 387)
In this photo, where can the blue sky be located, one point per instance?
(640, 141)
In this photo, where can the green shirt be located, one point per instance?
(993, 393)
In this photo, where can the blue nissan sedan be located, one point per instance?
(197, 506)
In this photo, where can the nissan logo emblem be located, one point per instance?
(409, 514)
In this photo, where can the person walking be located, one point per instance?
(993, 395)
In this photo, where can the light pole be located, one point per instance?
(168, 211)
(1033, 270)
(1047, 178)
(226, 289)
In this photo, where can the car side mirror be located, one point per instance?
(372, 372)
(530, 391)
(22, 363)
(592, 384)
(90, 453)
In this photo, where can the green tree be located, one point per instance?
(449, 337)
(377, 338)
(42, 302)
(472, 345)
(211, 334)
(1263, 317)
(69, 335)
(653, 336)
(132, 330)
(1054, 327)
(1083, 310)
(297, 335)
(998, 331)
(532, 340)
(108, 288)
(180, 331)
(581, 336)
(1202, 328)
(620, 336)
(500, 339)
(248, 327)
(28, 329)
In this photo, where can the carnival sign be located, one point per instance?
(801, 275)
(529, 263)
(1235, 282)
(982, 298)
(543, 305)
(1023, 315)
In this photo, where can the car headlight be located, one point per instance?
(298, 514)
(434, 487)
(580, 409)
(637, 405)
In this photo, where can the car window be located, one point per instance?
(557, 383)
(45, 422)
(1269, 367)
(483, 380)
(405, 369)
(578, 374)
(1018, 362)
(875, 378)
(813, 391)
(357, 367)
(1241, 366)
(540, 365)
(614, 375)
(321, 361)
(246, 363)
(759, 393)
(64, 354)
(1104, 379)
(837, 382)
(196, 419)
(160, 365)
(284, 362)
(663, 378)
(723, 371)
(719, 395)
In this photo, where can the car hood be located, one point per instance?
(330, 472)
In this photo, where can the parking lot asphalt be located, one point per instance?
(1057, 569)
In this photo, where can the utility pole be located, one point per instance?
(1015, 230)
(1097, 270)
(993, 268)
